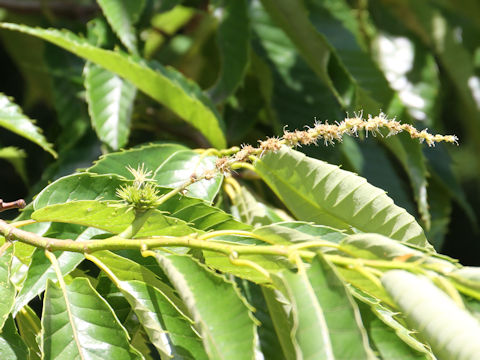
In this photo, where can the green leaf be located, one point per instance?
(16, 157)
(171, 165)
(41, 269)
(13, 119)
(317, 191)
(286, 233)
(122, 15)
(77, 322)
(110, 103)
(88, 186)
(29, 327)
(292, 93)
(337, 25)
(327, 323)
(126, 269)
(451, 332)
(111, 217)
(166, 325)
(165, 85)
(65, 72)
(7, 289)
(83, 186)
(410, 155)
(234, 45)
(268, 340)
(219, 311)
(390, 318)
(12, 346)
(246, 208)
(388, 344)
(375, 246)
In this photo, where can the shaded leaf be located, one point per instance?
(78, 323)
(13, 119)
(12, 346)
(16, 157)
(317, 191)
(122, 15)
(165, 85)
(29, 327)
(233, 39)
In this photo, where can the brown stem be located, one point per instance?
(18, 204)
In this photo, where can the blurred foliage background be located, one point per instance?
(267, 65)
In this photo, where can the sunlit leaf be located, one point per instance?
(451, 331)
(7, 289)
(219, 312)
(110, 100)
(327, 322)
(165, 85)
(317, 191)
(78, 323)
(13, 119)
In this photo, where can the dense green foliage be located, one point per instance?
(146, 236)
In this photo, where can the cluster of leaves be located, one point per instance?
(161, 251)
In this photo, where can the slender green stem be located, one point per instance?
(137, 223)
(177, 190)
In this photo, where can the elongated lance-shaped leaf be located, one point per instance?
(165, 85)
(171, 166)
(218, 309)
(387, 343)
(277, 306)
(451, 331)
(375, 246)
(168, 328)
(233, 39)
(314, 190)
(327, 323)
(29, 327)
(122, 15)
(389, 319)
(13, 119)
(41, 269)
(12, 346)
(7, 289)
(110, 103)
(78, 324)
(112, 217)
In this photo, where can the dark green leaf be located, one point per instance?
(233, 41)
(12, 346)
(165, 85)
(122, 15)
